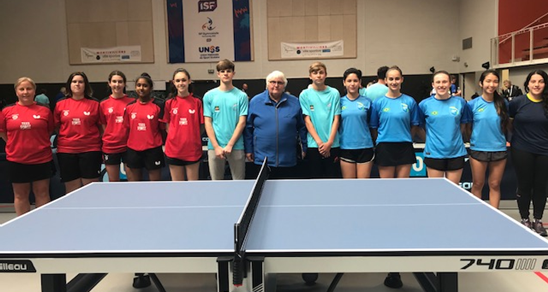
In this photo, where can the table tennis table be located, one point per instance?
(429, 227)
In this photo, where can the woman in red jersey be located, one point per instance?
(26, 127)
(79, 140)
(184, 118)
(144, 144)
(111, 115)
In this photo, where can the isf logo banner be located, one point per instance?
(207, 5)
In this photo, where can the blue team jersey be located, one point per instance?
(354, 127)
(442, 120)
(321, 107)
(393, 117)
(487, 133)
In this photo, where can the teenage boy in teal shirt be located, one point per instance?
(321, 108)
(225, 111)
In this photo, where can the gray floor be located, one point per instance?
(468, 282)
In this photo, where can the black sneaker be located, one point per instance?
(393, 280)
(527, 223)
(539, 228)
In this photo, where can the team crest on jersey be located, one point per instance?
(343, 107)
(36, 116)
(133, 115)
(87, 113)
(481, 110)
(311, 107)
(329, 105)
(65, 113)
(110, 110)
(150, 117)
(15, 116)
(25, 125)
(217, 109)
(404, 107)
(175, 110)
(235, 107)
(386, 109)
(434, 113)
(454, 111)
(191, 111)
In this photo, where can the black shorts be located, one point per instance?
(445, 164)
(79, 165)
(395, 153)
(114, 158)
(150, 159)
(26, 173)
(179, 162)
(487, 156)
(357, 155)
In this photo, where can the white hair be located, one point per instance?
(275, 75)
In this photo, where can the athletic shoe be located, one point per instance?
(527, 223)
(393, 280)
(539, 228)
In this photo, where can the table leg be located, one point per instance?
(449, 282)
(439, 282)
(54, 282)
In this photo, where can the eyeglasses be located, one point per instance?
(272, 82)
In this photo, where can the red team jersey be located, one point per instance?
(143, 123)
(184, 115)
(28, 129)
(112, 115)
(78, 122)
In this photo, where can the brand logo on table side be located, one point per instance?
(17, 267)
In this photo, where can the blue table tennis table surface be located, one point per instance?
(400, 216)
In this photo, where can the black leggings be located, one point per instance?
(320, 167)
(532, 174)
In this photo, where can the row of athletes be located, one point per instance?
(333, 128)
(90, 132)
(445, 121)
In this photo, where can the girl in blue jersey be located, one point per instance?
(487, 140)
(394, 118)
(530, 148)
(355, 138)
(444, 117)
(394, 121)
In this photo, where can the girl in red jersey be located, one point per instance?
(112, 119)
(142, 118)
(79, 140)
(184, 118)
(26, 127)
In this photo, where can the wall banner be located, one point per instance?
(111, 55)
(312, 50)
(208, 30)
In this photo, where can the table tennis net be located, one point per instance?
(242, 226)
